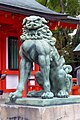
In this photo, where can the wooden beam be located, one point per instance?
(11, 18)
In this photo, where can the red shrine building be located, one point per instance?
(12, 13)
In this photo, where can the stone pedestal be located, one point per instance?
(47, 102)
(59, 112)
(41, 109)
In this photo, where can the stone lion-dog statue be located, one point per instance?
(38, 46)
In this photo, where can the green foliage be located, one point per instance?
(43, 2)
(72, 7)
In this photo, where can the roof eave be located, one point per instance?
(71, 21)
(31, 12)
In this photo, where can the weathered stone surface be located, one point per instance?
(48, 102)
(59, 112)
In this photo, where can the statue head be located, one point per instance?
(33, 22)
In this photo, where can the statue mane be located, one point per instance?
(41, 32)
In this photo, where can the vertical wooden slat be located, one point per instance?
(0, 52)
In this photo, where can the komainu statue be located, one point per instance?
(38, 45)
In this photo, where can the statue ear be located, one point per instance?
(43, 20)
(25, 20)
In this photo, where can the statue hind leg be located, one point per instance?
(25, 70)
(66, 83)
(39, 80)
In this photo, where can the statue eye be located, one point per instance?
(36, 21)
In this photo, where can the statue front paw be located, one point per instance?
(47, 95)
(13, 96)
(63, 94)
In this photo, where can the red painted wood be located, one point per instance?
(0, 52)
(0, 84)
(36, 67)
(10, 72)
(9, 90)
(67, 25)
(0, 62)
(52, 25)
(3, 52)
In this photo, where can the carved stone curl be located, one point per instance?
(38, 45)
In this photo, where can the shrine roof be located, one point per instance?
(30, 7)
(73, 20)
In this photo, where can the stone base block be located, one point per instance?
(58, 112)
(47, 102)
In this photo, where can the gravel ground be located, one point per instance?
(3, 97)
